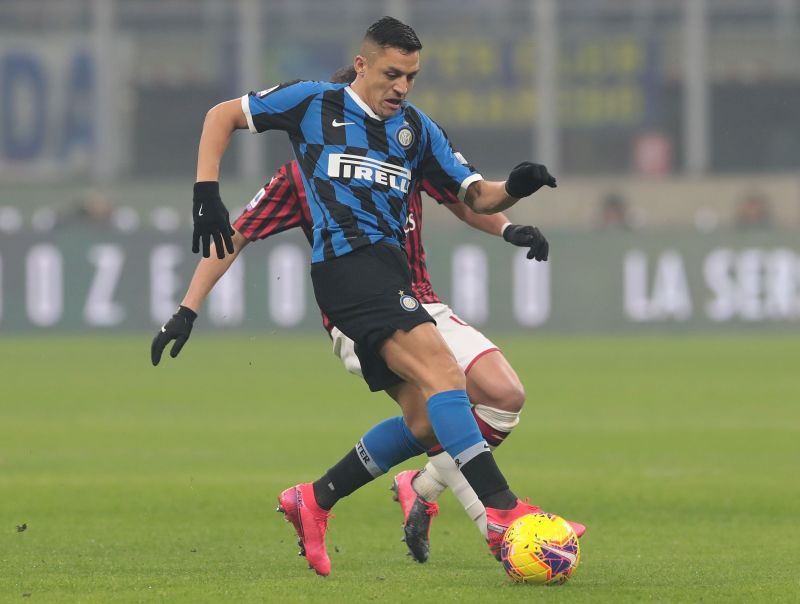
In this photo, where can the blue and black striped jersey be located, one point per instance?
(357, 169)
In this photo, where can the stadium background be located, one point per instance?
(669, 125)
(658, 346)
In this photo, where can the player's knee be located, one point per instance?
(508, 395)
(514, 398)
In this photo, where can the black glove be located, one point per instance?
(527, 178)
(178, 328)
(210, 220)
(528, 236)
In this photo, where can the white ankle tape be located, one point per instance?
(505, 421)
(428, 484)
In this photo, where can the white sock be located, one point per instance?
(451, 475)
(443, 470)
(428, 484)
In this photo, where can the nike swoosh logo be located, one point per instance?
(336, 124)
(200, 213)
(163, 330)
(559, 552)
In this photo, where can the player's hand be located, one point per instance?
(528, 236)
(527, 178)
(210, 220)
(178, 328)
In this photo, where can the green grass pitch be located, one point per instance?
(139, 484)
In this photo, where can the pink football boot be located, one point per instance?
(417, 515)
(497, 521)
(310, 522)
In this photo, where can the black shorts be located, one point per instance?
(367, 295)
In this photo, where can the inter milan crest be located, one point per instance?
(409, 303)
(405, 136)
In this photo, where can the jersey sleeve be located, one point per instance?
(444, 195)
(443, 168)
(275, 208)
(281, 107)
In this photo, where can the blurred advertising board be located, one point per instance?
(79, 279)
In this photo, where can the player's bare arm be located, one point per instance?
(179, 327)
(488, 223)
(490, 197)
(209, 271)
(210, 216)
(220, 123)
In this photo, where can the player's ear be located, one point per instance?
(360, 64)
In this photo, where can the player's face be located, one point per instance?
(385, 79)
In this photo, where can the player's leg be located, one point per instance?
(492, 381)
(481, 472)
(362, 293)
(504, 395)
(421, 357)
(494, 386)
(307, 505)
(417, 512)
(385, 445)
(417, 491)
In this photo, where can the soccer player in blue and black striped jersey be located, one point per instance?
(360, 148)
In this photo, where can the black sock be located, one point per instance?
(488, 482)
(342, 479)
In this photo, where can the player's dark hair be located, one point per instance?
(344, 75)
(391, 33)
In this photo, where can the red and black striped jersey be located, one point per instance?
(278, 206)
(281, 205)
(421, 282)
